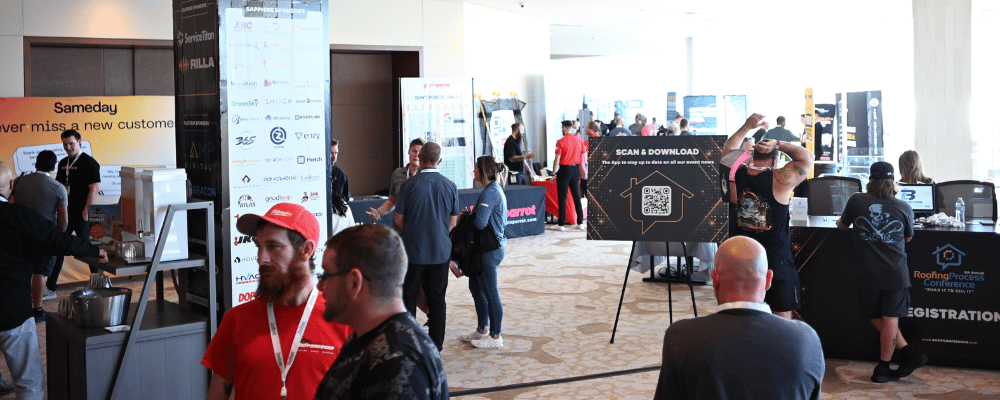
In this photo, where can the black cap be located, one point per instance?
(881, 170)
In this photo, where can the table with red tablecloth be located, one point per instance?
(552, 201)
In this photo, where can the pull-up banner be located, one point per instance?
(440, 110)
(113, 130)
(656, 188)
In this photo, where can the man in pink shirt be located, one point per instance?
(568, 167)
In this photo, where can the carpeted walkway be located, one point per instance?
(560, 293)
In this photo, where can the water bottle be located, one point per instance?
(960, 210)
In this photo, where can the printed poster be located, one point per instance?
(116, 131)
(656, 188)
(111, 130)
(441, 110)
(500, 122)
(275, 78)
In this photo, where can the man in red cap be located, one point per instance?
(259, 341)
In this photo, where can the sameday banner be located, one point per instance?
(134, 130)
(117, 131)
(440, 110)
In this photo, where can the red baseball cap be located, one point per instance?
(286, 215)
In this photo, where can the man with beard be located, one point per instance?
(515, 159)
(388, 356)
(258, 341)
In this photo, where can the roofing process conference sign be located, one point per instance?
(659, 189)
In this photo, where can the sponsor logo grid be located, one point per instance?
(276, 120)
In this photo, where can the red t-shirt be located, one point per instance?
(569, 149)
(242, 346)
(649, 130)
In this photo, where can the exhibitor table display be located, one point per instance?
(954, 301)
(552, 201)
(525, 209)
(156, 349)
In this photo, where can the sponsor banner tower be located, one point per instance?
(252, 88)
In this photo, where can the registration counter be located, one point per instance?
(955, 294)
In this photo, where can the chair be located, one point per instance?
(828, 195)
(980, 199)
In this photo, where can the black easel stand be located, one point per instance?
(653, 278)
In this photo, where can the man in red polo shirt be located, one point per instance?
(568, 167)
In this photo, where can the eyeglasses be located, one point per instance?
(321, 276)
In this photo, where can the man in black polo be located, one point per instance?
(426, 211)
(516, 160)
(81, 175)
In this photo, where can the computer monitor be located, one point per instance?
(920, 196)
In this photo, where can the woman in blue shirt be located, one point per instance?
(490, 210)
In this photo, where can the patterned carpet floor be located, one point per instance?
(560, 295)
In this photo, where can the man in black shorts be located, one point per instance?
(882, 226)
(761, 197)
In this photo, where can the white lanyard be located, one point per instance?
(276, 343)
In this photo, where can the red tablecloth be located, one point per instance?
(552, 201)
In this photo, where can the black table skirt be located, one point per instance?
(954, 298)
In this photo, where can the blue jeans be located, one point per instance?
(20, 348)
(486, 293)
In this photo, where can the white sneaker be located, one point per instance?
(475, 335)
(581, 227)
(488, 343)
(562, 228)
(48, 295)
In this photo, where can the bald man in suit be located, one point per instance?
(743, 351)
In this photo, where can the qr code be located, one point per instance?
(656, 200)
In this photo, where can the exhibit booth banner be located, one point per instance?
(500, 122)
(859, 120)
(658, 189)
(825, 140)
(440, 110)
(116, 131)
(702, 113)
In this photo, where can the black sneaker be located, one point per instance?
(40, 315)
(883, 375)
(910, 361)
(6, 387)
